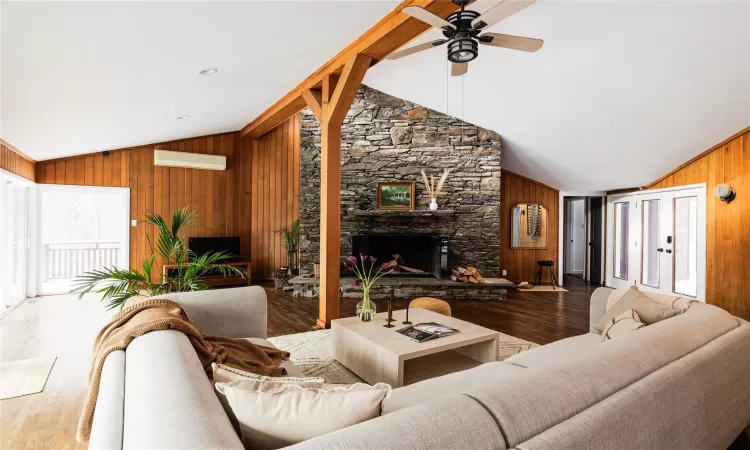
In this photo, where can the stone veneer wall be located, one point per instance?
(388, 139)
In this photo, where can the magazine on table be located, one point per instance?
(422, 332)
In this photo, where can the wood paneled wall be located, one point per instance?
(728, 229)
(16, 163)
(275, 188)
(221, 198)
(521, 263)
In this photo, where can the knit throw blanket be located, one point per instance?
(161, 314)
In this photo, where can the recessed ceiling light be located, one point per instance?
(183, 117)
(208, 71)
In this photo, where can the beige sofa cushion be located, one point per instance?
(696, 402)
(426, 425)
(673, 301)
(548, 394)
(274, 415)
(557, 352)
(226, 374)
(450, 384)
(650, 311)
(622, 325)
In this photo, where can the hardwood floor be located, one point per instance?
(540, 317)
(65, 327)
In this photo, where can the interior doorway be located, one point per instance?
(582, 231)
(575, 237)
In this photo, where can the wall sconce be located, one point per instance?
(724, 192)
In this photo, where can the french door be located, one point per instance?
(656, 239)
(12, 242)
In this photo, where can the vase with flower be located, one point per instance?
(367, 272)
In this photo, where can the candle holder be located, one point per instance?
(406, 322)
(390, 312)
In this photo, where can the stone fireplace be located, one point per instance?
(388, 139)
(418, 254)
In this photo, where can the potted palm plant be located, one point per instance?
(118, 285)
(291, 240)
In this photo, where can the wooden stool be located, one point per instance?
(433, 304)
(549, 265)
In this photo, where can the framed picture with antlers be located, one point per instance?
(395, 195)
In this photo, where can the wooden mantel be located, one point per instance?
(329, 92)
(390, 33)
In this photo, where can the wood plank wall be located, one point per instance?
(520, 263)
(728, 232)
(16, 163)
(275, 194)
(221, 198)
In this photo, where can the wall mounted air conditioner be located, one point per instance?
(167, 158)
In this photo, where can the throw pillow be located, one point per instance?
(275, 415)
(226, 374)
(650, 311)
(622, 324)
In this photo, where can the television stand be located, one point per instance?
(216, 281)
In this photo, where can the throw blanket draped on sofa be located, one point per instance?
(161, 314)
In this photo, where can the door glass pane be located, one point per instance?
(685, 262)
(621, 240)
(649, 250)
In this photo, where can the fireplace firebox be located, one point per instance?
(417, 254)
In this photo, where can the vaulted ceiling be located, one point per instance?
(79, 77)
(621, 92)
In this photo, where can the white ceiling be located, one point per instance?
(79, 77)
(621, 93)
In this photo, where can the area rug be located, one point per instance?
(24, 377)
(312, 352)
(544, 288)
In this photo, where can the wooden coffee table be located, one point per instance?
(379, 354)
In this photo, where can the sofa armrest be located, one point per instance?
(236, 312)
(107, 426)
(598, 306)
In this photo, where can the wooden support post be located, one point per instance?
(330, 224)
(329, 105)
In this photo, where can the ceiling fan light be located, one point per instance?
(463, 50)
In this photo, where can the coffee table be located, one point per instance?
(379, 354)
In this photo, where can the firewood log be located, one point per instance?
(453, 278)
(473, 280)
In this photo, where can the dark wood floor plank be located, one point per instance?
(540, 317)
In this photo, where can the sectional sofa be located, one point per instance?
(677, 384)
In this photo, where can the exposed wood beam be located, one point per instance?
(330, 224)
(314, 100)
(346, 88)
(336, 99)
(390, 33)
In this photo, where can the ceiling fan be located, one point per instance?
(462, 32)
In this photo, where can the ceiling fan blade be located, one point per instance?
(499, 12)
(416, 49)
(427, 17)
(523, 44)
(458, 69)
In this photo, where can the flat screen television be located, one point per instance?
(202, 245)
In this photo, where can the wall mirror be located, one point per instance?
(528, 224)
